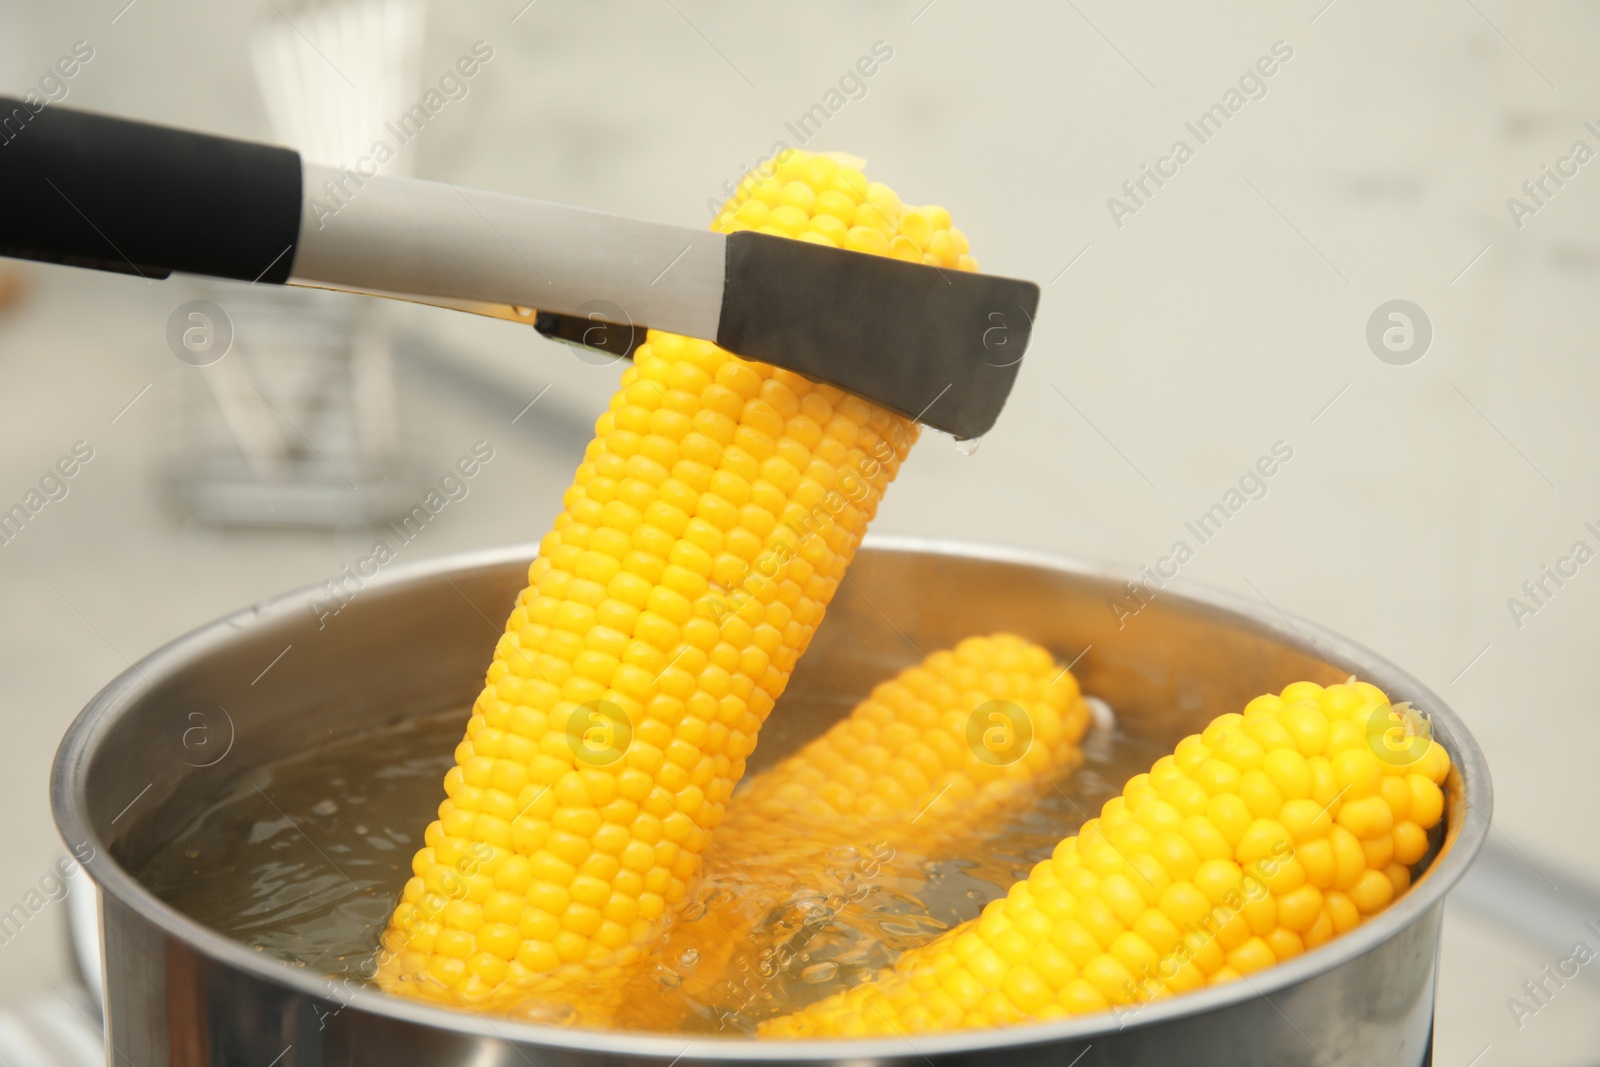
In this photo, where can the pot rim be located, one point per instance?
(69, 804)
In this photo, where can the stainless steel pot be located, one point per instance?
(272, 680)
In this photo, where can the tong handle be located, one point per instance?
(112, 194)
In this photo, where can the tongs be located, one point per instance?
(940, 346)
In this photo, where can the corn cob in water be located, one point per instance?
(705, 533)
(1260, 838)
(931, 753)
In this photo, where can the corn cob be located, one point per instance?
(945, 744)
(706, 531)
(1260, 838)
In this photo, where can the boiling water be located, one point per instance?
(304, 860)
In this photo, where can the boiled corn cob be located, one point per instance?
(1260, 838)
(932, 752)
(707, 529)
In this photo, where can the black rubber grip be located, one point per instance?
(939, 346)
(108, 193)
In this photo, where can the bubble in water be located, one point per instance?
(968, 445)
(812, 910)
(324, 807)
(689, 957)
(694, 912)
(819, 972)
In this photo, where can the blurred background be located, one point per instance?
(1185, 329)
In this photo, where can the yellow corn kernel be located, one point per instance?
(1256, 876)
(704, 534)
